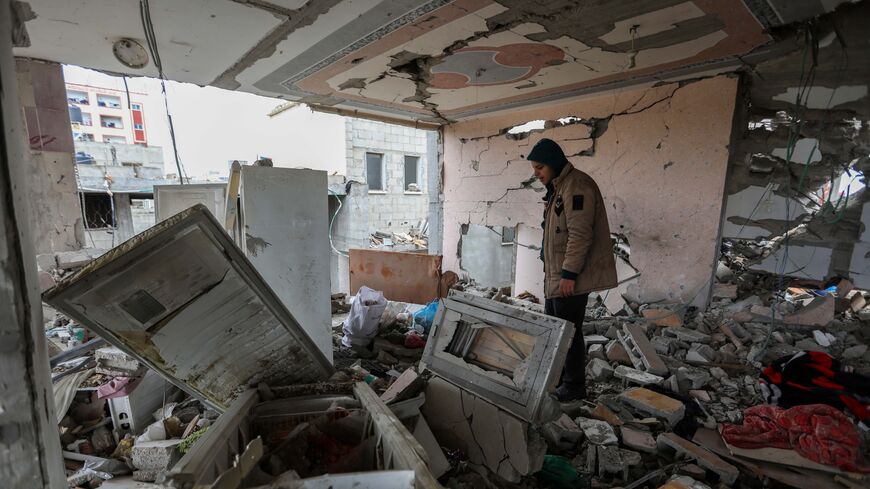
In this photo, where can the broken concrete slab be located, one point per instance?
(616, 353)
(604, 413)
(599, 369)
(636, 376)
(597, 432)
(155, 455)
(654, 404)
(692, 378)
(637, 439)
(662, 317)
(819, 312)
(615, 460)
(640, 350)
(702, 353)
(705, 458)
(664, 345)
(596, 340)
(596, 351)
(688, 335)
(563, 432)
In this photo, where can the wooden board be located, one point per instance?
(403, 277)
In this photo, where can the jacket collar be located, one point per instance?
(565, 171)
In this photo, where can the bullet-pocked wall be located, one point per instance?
(659, 155)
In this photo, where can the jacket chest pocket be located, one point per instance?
(559, 230)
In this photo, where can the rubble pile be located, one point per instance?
(117, 418)
(676, 397)
(663, 381)
(415, 239)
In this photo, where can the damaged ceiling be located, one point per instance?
(430, 61)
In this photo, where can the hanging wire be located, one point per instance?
(151, 41)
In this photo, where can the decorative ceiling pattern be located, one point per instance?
(426, 60)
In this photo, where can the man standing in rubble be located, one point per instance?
(577, 252)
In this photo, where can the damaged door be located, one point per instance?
(509, 356)
(182, 298)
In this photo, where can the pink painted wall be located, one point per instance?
(660, 163)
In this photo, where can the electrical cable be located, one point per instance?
(332, 221)
(151, 42)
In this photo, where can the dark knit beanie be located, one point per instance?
(550, 154)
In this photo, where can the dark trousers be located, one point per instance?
(572, 309)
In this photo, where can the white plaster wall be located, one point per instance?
(660, 164)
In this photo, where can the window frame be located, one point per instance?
(383, 172)
(417, 170)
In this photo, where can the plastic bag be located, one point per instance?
(424, 317)
(361, 324)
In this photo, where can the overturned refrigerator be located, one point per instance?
(184, 300)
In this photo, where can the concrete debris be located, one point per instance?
(637, 439)
(155, 456)
(688, 335)
(596, 351)
(663, 317)
(640, 350)
(616, 353)
(614, 460)
(702, 353)
(564, 432)
(113, 362)
(654, 404)
(597, 432)
(599, 369)
(635, 376)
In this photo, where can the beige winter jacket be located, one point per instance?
(577, 236)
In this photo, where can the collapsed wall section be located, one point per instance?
(659, 155)
(796, 201)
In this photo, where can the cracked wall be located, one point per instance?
(659, 155)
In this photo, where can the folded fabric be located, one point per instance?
(817, 432)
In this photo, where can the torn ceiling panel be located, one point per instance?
(422, 60)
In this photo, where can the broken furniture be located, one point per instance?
(279, 217)
(351, 431)
(183, 299)
(509, 356)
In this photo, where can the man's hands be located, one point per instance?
(566, 287)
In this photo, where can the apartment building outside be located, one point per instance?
(392, 160)
(106, 115)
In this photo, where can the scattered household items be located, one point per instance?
(361, 325)
(439, 381)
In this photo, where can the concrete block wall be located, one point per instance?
(392, 209)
